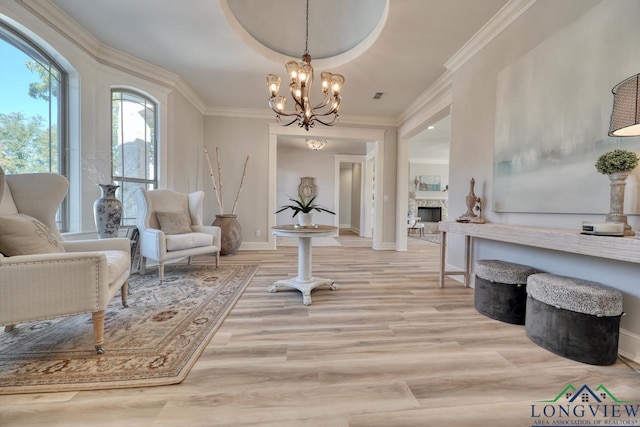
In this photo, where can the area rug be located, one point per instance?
(154, 342)
(433, 238)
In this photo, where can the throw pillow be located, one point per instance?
(178, 222)
(22, 234)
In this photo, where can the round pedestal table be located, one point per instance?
(304, 282)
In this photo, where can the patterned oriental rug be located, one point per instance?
(155, 341)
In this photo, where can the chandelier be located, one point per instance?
(301, 79)
(316, 143)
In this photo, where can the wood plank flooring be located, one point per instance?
(389, 349)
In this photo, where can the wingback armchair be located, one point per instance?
(170, 227)
(42, 276)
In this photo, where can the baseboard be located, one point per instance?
(386, 246)
(345, 226)
(629, 345)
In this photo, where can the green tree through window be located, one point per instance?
(32, 88)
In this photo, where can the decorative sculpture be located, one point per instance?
(473, 203)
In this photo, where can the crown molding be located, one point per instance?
(440, 86)
(266, 114)
(64, 25)
(244, 113)
(501, 20)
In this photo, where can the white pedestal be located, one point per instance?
(304, 282)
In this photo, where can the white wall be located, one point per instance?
(295, 163)
(240, 136)
(346, 181)
(237, 138)
(473, 119)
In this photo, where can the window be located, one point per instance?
(32, 110)
(133, 147)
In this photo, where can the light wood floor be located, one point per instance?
(388, 349)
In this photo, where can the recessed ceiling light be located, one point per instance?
(378, 95)
(431, 127)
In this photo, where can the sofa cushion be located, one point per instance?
(177, 242)
(177, 222)
(117, 263)
(22, 234)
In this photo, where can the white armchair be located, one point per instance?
(170, 227)
(41, 275)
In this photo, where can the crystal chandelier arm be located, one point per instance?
(328, 123)
(335, 106)
(280, 122)
(324, 102)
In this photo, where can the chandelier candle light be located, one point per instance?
(301, 79)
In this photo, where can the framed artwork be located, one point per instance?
(429, 183)
(553, 106)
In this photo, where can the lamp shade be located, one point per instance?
(625, 118)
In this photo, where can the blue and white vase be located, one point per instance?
(107, 211)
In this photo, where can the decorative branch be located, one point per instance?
(219, 177)
(213, 181)
(218, 188)
(244, 173)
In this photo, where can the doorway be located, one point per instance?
(375, 137)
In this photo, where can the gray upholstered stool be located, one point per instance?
(500, 290)
(574, 318)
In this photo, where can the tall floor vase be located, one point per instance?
(231, 233)
(107, 212)
(616, 204)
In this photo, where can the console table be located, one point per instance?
(618, 248)
(305, 282)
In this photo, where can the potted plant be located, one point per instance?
(617, 164)
(304, 206)
(617, 161)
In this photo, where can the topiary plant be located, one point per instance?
(617, 161)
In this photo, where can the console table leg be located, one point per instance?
(443, 252)
(467, 261)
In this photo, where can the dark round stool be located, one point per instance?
(500, 290)
(574, 318)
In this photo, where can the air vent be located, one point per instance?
(378, 95)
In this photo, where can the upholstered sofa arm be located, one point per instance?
(153, 243)
(34, 287)
(117, 244)
(214, 230)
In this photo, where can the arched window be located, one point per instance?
(133, 147)
(32, 110)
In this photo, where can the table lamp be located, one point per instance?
(625, 117)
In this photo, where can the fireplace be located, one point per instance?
(430, 213)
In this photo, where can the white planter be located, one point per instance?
(305, 219)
